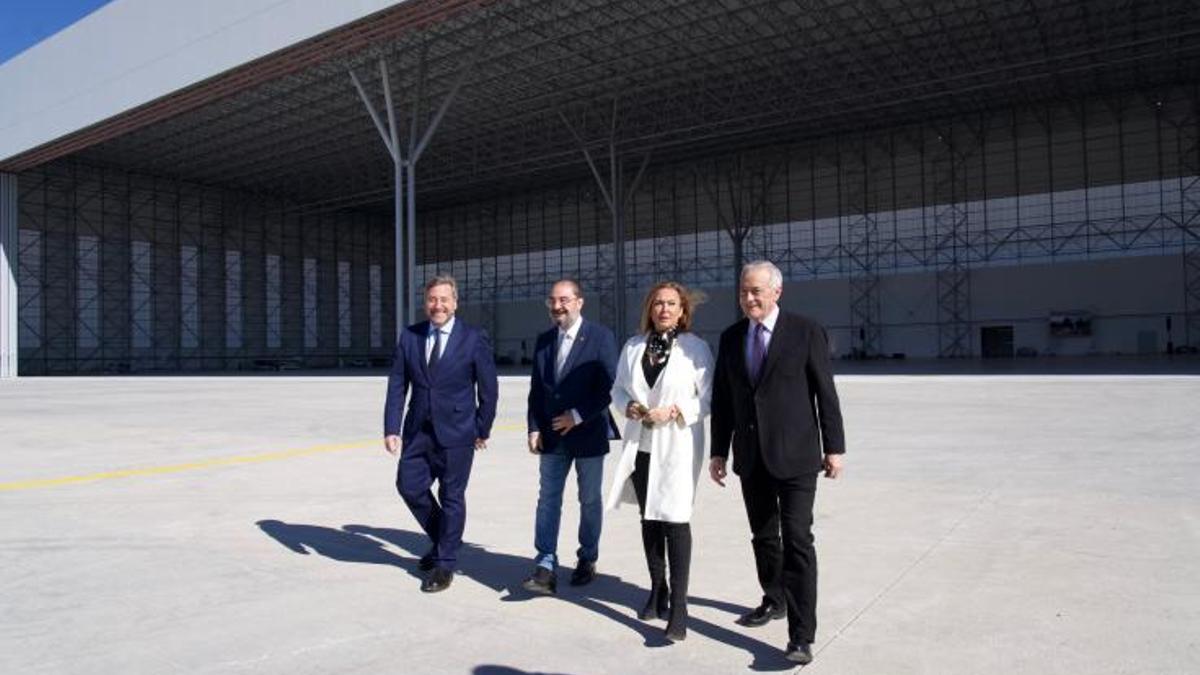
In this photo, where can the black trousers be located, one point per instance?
(662, 542)
(781, 516)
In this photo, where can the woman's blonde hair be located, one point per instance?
(688, 300)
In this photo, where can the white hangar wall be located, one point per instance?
(131, 52)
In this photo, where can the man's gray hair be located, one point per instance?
(776, 277)
(443, 280)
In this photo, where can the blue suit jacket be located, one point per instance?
(459, 397)
(586, 387)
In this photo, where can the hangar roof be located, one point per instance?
(132, 52)
(686, 77)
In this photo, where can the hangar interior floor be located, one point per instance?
(986, 524)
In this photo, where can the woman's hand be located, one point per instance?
(662, 415)
(635, 410)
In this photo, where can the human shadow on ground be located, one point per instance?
(503, 573)
(492, 669)
(340, 545)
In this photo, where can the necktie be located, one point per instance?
(758, 352)
(434, 354)
(560, 359)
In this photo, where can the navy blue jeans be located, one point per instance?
(589, 472)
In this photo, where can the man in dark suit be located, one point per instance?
(448, 366)
(773, 397)
(569, 392)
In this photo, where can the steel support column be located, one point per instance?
(404, 169)
(617, 196)
(1189, 197)
(748, 189)
(392, 144)
(8, 275)
(417, 148)
(858, 220)
(953, 277)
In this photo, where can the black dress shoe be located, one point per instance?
(427, 562)
(585, 572)
(762, 615)
(438, 580)
(541, 581)
(799, 653)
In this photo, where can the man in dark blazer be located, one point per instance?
(774, 399)
(448, 366)
(569, 392)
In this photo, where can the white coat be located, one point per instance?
(677, 447)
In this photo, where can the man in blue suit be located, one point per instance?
(448, 366)
(569, 392)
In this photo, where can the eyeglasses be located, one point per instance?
(561, 300)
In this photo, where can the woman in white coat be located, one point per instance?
(662, 390)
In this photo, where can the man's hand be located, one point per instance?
(661, 415)
(716, 470)
(480, 443)
(392, 444)
(563, 423)
(535, 442)
(833, 465)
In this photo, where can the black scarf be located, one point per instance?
(658, 348)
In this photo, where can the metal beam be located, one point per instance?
(391, 141)
(417, 148)
(617, 197)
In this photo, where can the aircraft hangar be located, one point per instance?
(247, 185)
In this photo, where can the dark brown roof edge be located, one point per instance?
(352, 37)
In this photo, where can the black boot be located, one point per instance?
(679, 553)
(654, 543)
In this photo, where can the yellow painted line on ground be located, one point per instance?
(203, 464)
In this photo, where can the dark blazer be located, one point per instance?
(586, 387)
(459, 397)
(792, 412)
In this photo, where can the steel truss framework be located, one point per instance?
(1047, 182)
(123, 272)
(935, 136)
(1187, 132)
(693, 75)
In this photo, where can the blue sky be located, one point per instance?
(24, 23)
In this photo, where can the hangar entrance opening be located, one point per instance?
(996, 342)
(922, 174)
